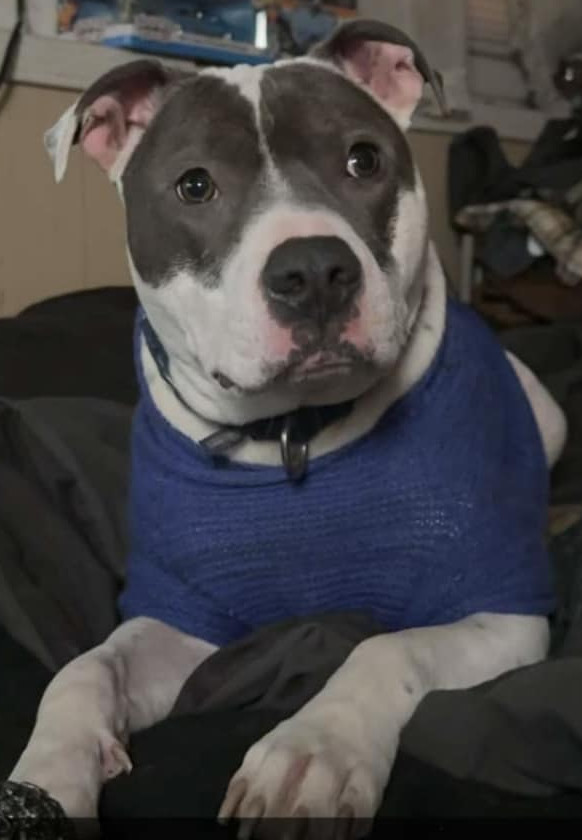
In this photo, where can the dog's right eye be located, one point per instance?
(363, 160)
(196, 187)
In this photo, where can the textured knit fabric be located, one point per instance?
(437, 513)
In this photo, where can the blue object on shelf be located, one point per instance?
(213, 31)
(215, 18)
(196, 50)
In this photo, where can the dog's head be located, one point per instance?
(276, 224)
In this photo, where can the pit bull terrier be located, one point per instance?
(320, 427)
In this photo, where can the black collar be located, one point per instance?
(294, 431)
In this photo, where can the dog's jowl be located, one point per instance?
(320, 428)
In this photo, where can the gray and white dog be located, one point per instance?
(222, 172)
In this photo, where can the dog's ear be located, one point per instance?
(386, 62)
(110, 117)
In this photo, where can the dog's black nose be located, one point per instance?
(311, 278)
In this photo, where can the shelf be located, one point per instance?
(60, 63)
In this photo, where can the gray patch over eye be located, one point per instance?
(206, 124)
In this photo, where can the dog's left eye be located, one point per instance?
(363, 160)
(196, 187)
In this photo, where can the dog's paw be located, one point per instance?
(114, 758)
(307, 770)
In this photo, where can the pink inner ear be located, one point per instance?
(388, 70)
(104, 131)
(107, 122)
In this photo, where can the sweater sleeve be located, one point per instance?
(155, 592)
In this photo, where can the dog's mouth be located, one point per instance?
(320, 366)
(303, 367)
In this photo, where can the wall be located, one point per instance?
(57, 239)
(52, 239)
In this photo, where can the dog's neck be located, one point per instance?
(424, 341)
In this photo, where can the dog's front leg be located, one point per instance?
(128, 683)
(333, 758)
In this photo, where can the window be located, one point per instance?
(494, 67)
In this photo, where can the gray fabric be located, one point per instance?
(278, 668)
(63, 474)
(522, 733)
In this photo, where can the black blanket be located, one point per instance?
(509, 748)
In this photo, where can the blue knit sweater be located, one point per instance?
(437, 513)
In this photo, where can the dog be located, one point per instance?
(320, 428)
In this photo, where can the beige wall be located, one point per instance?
(57, 239)
(53, 239)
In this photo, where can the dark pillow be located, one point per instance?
(75, 345)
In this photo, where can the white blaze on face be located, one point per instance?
(248, 80)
